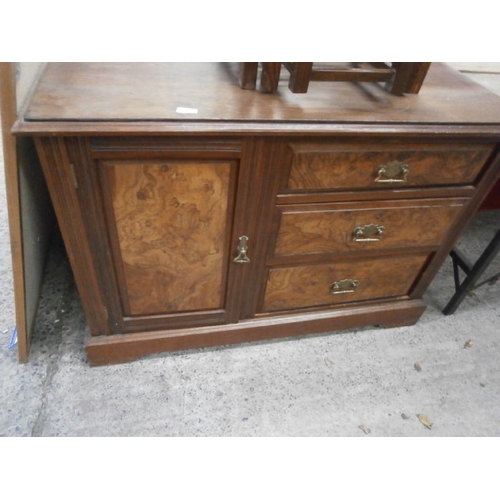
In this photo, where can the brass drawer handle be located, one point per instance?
(394, 171)
(344, 286)
(242, 257)
(370, 232)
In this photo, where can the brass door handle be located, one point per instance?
(394, 171)
(370, 232)
(344, 286)
(242, 257)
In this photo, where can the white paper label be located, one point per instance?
(188, 111)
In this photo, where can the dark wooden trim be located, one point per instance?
(125, 348)
(265, 185)
(481, 131)
(103, 147)
(362, 195)
(72, 222)
(173, 321)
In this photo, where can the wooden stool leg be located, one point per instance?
(398, 83)
(248, 75)
(417, 77)
(300, 76)
(270, 76)
(408, 78)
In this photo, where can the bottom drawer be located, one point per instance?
(340, 282)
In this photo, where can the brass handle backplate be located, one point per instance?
(394, 171)
(242, 257)
(344, 286)
(370, 232)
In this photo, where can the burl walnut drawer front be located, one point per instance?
(323, 285)
(327, 166)
(345, 227)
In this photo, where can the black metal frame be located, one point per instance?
(473, 273)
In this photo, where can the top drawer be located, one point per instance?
(329, 166)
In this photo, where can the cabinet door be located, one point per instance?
(169, 224)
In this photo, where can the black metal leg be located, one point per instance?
(459, 262)
(473, 274)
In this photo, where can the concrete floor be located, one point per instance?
(360, 383)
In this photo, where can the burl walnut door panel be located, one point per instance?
(169, 224)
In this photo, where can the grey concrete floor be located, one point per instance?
(359, 383)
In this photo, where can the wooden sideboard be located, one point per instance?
(196, 213)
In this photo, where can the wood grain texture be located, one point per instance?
(409, 77)
(136, 92)
(310, 286)
(492, 201)
(72, 218)
(400, 77)
(8, 115)
(171, 224)
(29, 212)
(170, 245)
(248, 75)
(321, 166)
(270, 76)
(124, 348)
(316, 229)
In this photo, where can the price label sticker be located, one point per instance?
(186, 111)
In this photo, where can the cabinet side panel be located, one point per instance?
(170, 227)
(73, 218)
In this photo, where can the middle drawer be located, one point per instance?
(364, 226)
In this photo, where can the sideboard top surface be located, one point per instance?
(135, 97)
